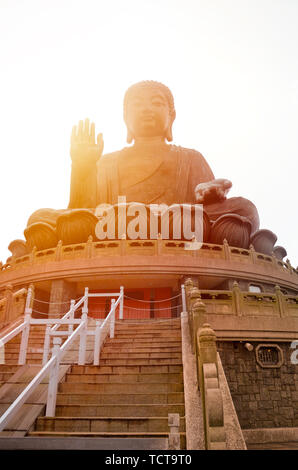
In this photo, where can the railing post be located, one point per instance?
(252, 252)
(26, 330)
(121, 303)
(226, 249)
(159, 244)
(194, 295)
(58, 251)
(183, 298)
(279, 297)
(236, 292)
(46, 346)
(198, 318)
(188, 285)
(89, 247)
(97, 340)
(8, 294)
(33, 255)
(71, 316)
(122, 245)
(112, 323)
(53, 379)
(82, 350)
(290, 267)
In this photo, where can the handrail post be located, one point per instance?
(46, 346)
(194, 295)
(71, 315)
(121, 303)
(26, 330)
(82, 350)
(183, 298)
(97, 343)
(53, 379)
(112, 323)
(188, 285)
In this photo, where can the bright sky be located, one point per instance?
(232, 66)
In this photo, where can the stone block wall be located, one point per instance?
(263, 397)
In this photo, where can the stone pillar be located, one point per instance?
(61, 294)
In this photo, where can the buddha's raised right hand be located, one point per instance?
(83, 147)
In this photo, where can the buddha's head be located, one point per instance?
(149, 111)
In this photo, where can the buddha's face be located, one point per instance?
(148, 113)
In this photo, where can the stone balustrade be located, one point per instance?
(12, 304)
(241, 303)
(95, 249)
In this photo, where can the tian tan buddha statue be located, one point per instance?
(151, 170)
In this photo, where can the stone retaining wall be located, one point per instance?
(263, 397)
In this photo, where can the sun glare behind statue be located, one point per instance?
(231, 72)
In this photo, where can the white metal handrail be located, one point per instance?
(58, 322)
(52, 368)
(22, 327)
(101, 330)
(16, 331)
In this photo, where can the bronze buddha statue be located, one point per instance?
(151, 170)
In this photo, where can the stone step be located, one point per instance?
(144, 334)
(94, 424)
(144, 362)
(109, 435)
(122, 387)
(69, 442)
(113, 410)
(14, 355)
(9, 368)
(29, 361)
(5, 376)
(119, 398)
(142, 355)
(153, 331)
(162, 378)
(138, 349)
(32, 336)
(11, 349)
(127, 369)
(143, 341)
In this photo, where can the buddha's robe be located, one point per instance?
(149, 174)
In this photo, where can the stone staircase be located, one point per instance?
(129, 395)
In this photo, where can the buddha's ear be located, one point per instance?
(129, 137)
(169, 135)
